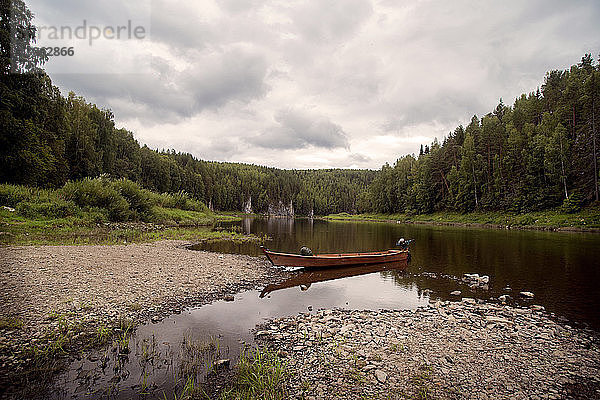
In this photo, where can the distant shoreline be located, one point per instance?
(588, 220)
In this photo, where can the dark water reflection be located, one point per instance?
(561, 269)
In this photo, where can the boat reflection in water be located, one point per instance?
(306, 278)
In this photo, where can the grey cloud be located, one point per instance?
(468, 55)
(331, 20)
(234, 75)
(451, 106)
(239, 6)
(219, 78)
(180, 25)
(382, 67)
(219, 149)
(359, 158)
(297, 129)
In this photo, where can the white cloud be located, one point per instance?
(322, 84)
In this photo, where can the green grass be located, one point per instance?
(260, 375)
(70, 232)
(103, 199)
(10, 323)
(102, 211)
(584, 219)
(171, 216)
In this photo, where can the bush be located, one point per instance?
(55, 209)
(180, 200)
(573, 204)
(12, 195)
(97, 199)
(100, 193)
(139, 199)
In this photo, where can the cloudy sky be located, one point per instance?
(312, 84)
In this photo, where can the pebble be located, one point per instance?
(380, 375)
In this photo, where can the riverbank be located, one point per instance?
(101, 211)
(448, 350)
(587, 220)
(61, 300)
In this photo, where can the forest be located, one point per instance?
(539, 153)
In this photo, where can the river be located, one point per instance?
(560, 269)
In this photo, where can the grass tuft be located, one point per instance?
(10, 323)
(260, 375)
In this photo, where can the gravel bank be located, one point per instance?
(449, 350)
(91, 286)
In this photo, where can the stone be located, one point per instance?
(492, 319)
(222, 364)
(527, 294)
(380, 376)
(455, 293)
(229, 298)
(504, 298)
(282, 353)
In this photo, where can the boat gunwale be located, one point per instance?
(335, 255)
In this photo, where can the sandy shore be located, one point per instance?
(449, 350)
(89, 286)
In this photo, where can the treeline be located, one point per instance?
(49, 139)
(540, 153)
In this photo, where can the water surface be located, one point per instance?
(562, 269)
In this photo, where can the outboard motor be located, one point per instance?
(404, 243)
(305, 251)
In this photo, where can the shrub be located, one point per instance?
(180, 200)
(55, 209)
(11, 195)
(573, 204)
(140, 201)
(100, 193)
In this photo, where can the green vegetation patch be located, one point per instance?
(584, 219)
(10, 323)
(102, 211)
(260, 375)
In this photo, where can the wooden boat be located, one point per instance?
(306, 278)
(334, 260)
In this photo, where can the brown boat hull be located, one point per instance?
(335, 260)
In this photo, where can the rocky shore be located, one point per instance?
(64, 298)
(448, 350)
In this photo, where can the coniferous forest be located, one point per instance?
(540, 152)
